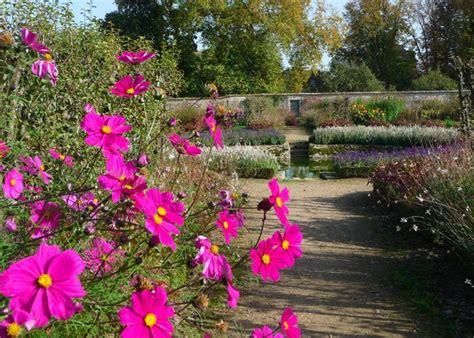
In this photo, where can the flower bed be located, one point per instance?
(391, 136)
(246, 161)
(439, 193)
(249, 137)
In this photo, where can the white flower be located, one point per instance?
(468, 282)
(420, 198)
(467, 208)
(379, 201)
(459, 189)
(398, 228)
(368, 195)
(415, 227)
(428, 212)
(403, 220)
(405, 197)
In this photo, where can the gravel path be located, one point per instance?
(337, 288)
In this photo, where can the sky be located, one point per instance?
(103, 7)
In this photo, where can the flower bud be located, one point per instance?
(264, 205)
(172, 122)
(181, 195)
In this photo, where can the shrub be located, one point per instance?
(189, 117)
(391, 136)
(434, 80)
(275, 118)
(439, 191)
(344, 77)
(433, 109)
(391, 107)
(335, 122)
(247, 137)
(263, 112)
(316, 110)
(249, 162)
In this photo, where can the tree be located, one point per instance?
(434, 80)
(242, 41)
(378, 36)
(344, 77)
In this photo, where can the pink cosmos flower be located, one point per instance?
(45, 216)
(265, 332)
(134, 58)
(102, 256)
(289, 324)
(58, 156)
(148, 316)
(46, 67)
(290, 242)
(14, 324)
(34, 166)
(29, 39)
(215, 131)
(130, 87)
(80, 202)
(13, 184)
(44, 284)
(228, 224)
(4, 149)
(208, 255)
(278, 200)
(162, 215)
(268, 259)
(121, 180)
(10, 224)
(183, 146)
(105, 132)
(233, 295)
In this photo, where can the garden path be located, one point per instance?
(337, 288)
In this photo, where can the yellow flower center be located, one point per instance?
(48, 57)
(215, 249)
(150, 319)
(158, 219)
(130, 91)
(106, 129)
(278, 202)
(128, 187)
(235, 195)
(12, 182)
(285, 325)
(14, 330)
(213, 129)
(45, 280)
(62, 157)
(266, 259)
(95, 201)
(104, 258)
(226, 225)
(161, 211)
(122, 178)
(41, 167)
(285, 244)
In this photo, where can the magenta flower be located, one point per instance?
(43, 68)
(228, 224)
(215, 265)
(289, 324)
(215, 131)
(105, 132)
(14, 324)
(44, 284)
(183, 146)
(29, 39)
(233, 295)
(34, 166)
(134, 58)
(121, 180)
(102, 256)
(13, 184)
(130, 87)
(290, 242)
(265, 332)
(143, 160)
(162, 215)
(278, 199)
(68, 160)
(10, 224)
(45, 216)
(148, 316)
(79, 202)
(4, 149)
(268, 259)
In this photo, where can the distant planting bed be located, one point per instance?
(251, 137)
(385, 136)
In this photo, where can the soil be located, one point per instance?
(338, 287)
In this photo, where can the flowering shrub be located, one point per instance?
(392, 136)
(106, 232)
(439, 189)
(248, 137)
(363, 115)
(246, 161)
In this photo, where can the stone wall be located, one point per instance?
(235, 101)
